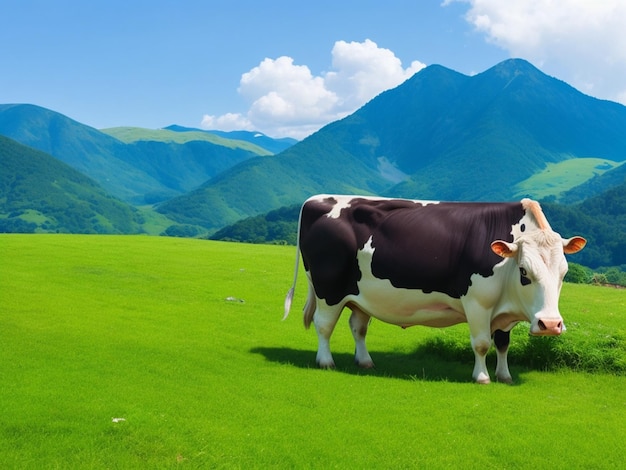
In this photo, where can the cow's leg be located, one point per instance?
(359, 321)
(478, 320)
(481, 345)
(325, 319)
(501, 340)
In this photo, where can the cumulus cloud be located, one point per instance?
(227, 122)
(580, 41)
(363, 70)
(288, 100)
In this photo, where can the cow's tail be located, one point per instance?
(289, 297)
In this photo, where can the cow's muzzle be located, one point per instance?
(547, 327)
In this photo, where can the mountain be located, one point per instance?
(40, 193)
(84, 148)
(137, 165)
(181, 161)
(440, 135)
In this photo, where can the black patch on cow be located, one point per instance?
(433, 247)
(501, 339)
(329, 249)
(437, 247)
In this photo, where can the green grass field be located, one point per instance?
(183, 340)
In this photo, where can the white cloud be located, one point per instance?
(282, 93)
(227, 122)
(580, 41)
(363, 70)
(288, 100)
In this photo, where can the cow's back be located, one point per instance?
(433, 247)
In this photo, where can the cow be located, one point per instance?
(409, 262)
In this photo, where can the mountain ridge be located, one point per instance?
(439, 135)
(137, 171)
(444, 135)
(274, 145)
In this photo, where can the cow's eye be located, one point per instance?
(524, 277)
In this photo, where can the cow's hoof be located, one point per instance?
(365, 364)
(505, 380)
(483, 379)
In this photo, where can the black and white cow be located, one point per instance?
(437, 264)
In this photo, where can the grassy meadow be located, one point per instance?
(149, 352)
(564, 175)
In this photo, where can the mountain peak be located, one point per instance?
(512, 68)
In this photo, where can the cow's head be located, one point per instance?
(537, 272)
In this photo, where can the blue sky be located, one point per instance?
(285, 68)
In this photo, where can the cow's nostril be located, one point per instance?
(549, 327)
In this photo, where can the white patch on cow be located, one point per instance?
(368, 249)
(528, 223)
(525, 225)
(345, 201)
(400, 306)
(342, 203)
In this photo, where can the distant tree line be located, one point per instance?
(579, 274)
(278, 227)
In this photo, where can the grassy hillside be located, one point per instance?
(38, 193)
(133, 134)
(557, 178)
(151, 352)
(257, 138)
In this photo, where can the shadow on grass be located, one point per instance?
(449, 358)
(423, 364)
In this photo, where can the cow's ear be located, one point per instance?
(573, 245)
(504, 249)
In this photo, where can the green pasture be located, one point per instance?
(134, 134)
(148, 352)
(559, 177)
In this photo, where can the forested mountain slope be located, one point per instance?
(40, 193)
